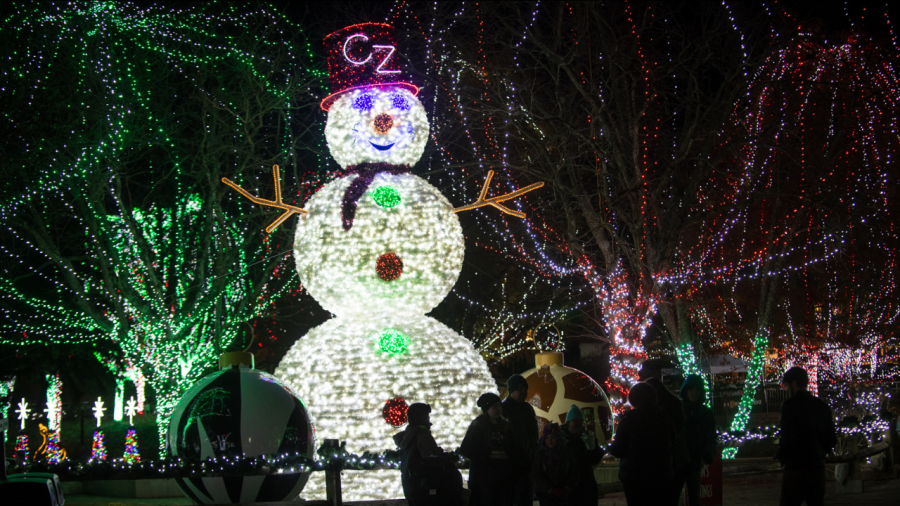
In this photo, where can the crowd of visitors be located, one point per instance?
(662, 444)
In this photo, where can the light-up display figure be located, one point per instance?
(379, 248)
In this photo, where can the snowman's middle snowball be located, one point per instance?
(340, 267)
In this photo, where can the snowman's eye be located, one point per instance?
(386, 196)
(363, 102)
(399, 102)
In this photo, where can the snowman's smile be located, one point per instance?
(380, 147)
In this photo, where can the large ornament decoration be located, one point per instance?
(379, 248)
(240, 412)
(553, 388)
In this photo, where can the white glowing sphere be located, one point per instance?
(340, 268)
(378, 124)
(340, 370)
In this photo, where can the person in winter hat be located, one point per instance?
(523, 423)
(671, 404)
(699, 434)
(423, 464)
(583, 445)
(554, 470)
(643, 443)
(488, 446)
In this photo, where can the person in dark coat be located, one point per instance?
(554, 469)
(699, 434)
(423, 464)
(807, 435)
(488, 446)
(583, 445)
(671, 404)
(643, 443)
(524, 426)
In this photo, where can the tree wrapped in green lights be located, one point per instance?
(118, 123)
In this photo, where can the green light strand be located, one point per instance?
(751, 385)
(689, 363)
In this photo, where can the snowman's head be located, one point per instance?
(373, 124)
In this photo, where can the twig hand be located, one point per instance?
(495, 201)
(288, 209)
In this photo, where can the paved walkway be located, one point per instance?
(875, 493)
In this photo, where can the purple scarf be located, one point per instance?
(367, 172)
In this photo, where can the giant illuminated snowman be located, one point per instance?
(379, 248)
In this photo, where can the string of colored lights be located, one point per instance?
(132, 452)
(98, 448)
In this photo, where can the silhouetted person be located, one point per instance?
(671, 404)
(699, 435)
(555, 471)
(488, 445)
(807, 435)
(643, 443)
(583, 445)
(423, 464)
(524, 426)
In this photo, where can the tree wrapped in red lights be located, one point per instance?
(683, 187)
(624, 115)
(809, 244)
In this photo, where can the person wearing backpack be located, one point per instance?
(426, 473)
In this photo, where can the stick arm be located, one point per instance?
(495, 201)
(277, 203)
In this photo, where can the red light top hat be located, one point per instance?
(360, 56)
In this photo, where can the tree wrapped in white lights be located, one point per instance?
(379, 248)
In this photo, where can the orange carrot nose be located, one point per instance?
(383, 123)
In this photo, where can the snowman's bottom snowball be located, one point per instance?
(340, 372)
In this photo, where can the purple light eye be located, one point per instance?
(400, 102)
(363, 102)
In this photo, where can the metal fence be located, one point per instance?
(768, 399)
